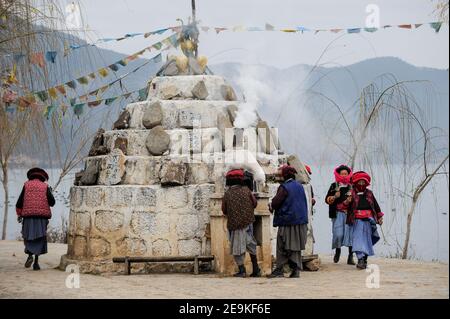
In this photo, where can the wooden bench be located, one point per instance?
(195, 259)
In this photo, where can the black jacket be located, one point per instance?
(331, 192)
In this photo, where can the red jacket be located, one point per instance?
(375, 208)
(34, 200)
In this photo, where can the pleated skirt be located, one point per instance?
(34, 233)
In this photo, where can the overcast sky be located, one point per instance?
(421, 47)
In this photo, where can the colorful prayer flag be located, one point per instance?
(143, 94)
(95, 103)
(157, 45)
(436, 26)
(269, 27)
(103, 72)
(72, 84)
(157, 58)
(354, 30)
(78, 109)
(83, 80)
(18, 57)
(114, 67)
(61, 89)
(110, 100)
(42, 95)
(38, 59)
(53, 93)
(51, 56)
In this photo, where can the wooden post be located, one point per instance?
(196, 265)
(193, 11)
(127, 266)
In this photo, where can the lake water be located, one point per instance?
(430, 229)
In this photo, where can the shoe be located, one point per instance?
(256, 273)
(365, 260)
(350, 260)
(29, 261)
(337, 255)
(361, 264)
(295, 273)
(277, 273)
(241, 273)
(36, 266)
(256, 270)
(295, 270)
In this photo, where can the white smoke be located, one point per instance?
(254, 91)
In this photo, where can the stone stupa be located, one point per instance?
(149, 184)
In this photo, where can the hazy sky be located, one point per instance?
(421, 47)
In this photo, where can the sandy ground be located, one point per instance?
(398, 279)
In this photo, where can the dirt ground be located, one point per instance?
(398, 279)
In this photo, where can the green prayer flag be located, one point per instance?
(42, 95)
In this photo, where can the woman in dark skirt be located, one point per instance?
(338, 199)
(364, 214)
(291, 217)
(33, 211)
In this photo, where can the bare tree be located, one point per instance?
(441, 10)
(388, 126)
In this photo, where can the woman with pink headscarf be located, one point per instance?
(338, 199)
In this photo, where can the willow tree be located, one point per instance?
(19, 123)
(26, 27)
(441, 10)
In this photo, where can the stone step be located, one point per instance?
(181, 141)
(185, 141)
(172, 170)
(181, 114)
(201, 87)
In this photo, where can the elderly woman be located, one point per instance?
(291, 217)
(33, 211)
(238, 205)
(338, 198)
(364, 214)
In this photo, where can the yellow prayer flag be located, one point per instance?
(53, 93)
(103, 72)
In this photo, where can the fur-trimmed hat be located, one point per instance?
(235, 174)
(37, 172)
(361, 175)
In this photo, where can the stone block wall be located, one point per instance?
(138, 221)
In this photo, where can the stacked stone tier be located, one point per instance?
(138, 221)
(191, 87)
(150, 170)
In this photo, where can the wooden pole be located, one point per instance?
(193, 11)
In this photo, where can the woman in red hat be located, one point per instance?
(364, 214)
(338, 199)
(239, 205)
(33, 211)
